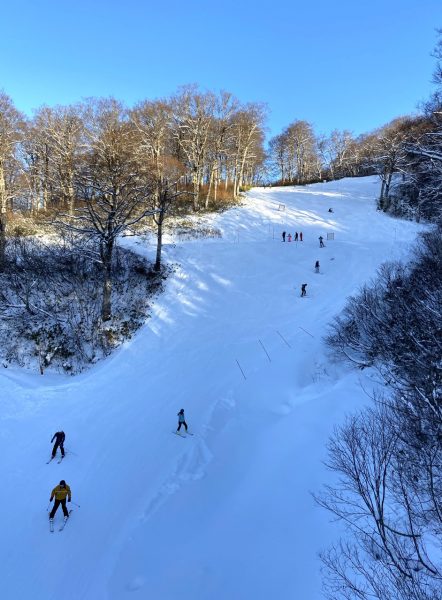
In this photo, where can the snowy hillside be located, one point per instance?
(225, 513)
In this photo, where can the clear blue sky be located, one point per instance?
(346, 64)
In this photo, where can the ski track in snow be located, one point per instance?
(226, 513)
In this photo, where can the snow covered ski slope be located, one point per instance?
(225, 513)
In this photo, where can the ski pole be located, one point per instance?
(48, 506)
(72, 502)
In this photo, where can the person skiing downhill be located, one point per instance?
(317, 266)
(60, 493)
(59, 438)
(303, 290)
(181, 420)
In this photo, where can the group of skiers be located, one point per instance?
(296, 237)
(304, 285)
(299, 236)
(62, 491)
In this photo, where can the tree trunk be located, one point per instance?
(196, 191)
(212, 171)
(381, 196)
(381, 204)
(3, 218)
(45, 196)
(387, 185)
(159, 240)
(215, 187)
(71, 195)
(106, 257)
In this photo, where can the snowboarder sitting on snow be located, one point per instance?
(321, 242)
(330, 210)
(303, 290)
(317, 266)
(181, 420)
(60, 492)
(59, 438)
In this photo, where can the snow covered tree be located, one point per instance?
(295, 153)
(247, 123)
(193, 113)
(389, 457)
(390, 154)
(340, 143)
(112, 186)
(220, 138)
(11, 122)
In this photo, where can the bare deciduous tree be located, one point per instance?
(10, 125)
(112, 186)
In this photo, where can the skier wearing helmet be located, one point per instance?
(60, 493)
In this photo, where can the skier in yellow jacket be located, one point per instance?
(60, 493)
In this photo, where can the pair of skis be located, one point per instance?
(183, 435)
(52, 458)
(63, 525)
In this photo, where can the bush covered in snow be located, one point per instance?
(389, 458)
(50, 304)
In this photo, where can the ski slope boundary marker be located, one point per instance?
(237, 362)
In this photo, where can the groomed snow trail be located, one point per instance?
(226, 513)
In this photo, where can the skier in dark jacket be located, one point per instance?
(283, 236)
(59, 438)
(181, 420)
(303, 290)
(317, 266)
(321, 242)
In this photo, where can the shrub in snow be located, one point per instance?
(50, 304)
(389, 458)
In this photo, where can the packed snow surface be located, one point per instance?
(226, 513)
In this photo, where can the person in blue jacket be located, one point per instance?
(181, 420)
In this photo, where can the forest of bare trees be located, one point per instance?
(406, 153)
(87, 174)
(398, 152)
(387, 459)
